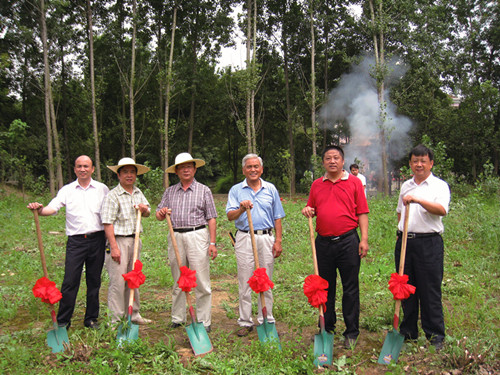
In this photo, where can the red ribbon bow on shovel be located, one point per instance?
(135, 278)
(187, 280)
(399, 287)
(47, 291)
(260, 282)
(315, 290)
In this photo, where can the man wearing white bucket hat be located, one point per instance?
(191, 208)
(118, 215)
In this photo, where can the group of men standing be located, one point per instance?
(96, 216)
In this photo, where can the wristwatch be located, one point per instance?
(213, 243)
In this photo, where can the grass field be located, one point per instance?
(471, 290)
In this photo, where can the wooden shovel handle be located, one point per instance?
(404, 240)
(252, 237)
(134, 258)
(40, 243)
(316, 269)
(402, 257)
(178, 258)
(256, 257)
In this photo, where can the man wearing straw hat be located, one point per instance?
(86, 241)
(192, 209)
(118, 215)
(263, 197)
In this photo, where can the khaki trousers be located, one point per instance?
(246, 266)
(193, 251)
(118, 291)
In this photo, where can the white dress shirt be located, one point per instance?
(83, 206)
(420, 220)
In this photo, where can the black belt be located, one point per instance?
(183, 230)
(338, 238)
(88, 235)
(419, 235)
(260, 231)
(128, 235)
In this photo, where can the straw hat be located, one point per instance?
(141, 169)
(182, 158)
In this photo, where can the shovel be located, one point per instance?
(197, 333)
(130, 331)
(267, 331)
(394, 340)
(323, 341)
(57, 338)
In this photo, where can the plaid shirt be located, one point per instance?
(190, 208)
(118, 209)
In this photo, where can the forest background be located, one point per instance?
(142, 79)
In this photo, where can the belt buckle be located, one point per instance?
(411, 236)
(335, 238)
(260, 232)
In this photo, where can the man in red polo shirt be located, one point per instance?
(339, 203)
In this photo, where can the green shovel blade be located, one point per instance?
(392, 347)
(323, 349)
(268, 334)
(127, 332)
(57, 339)
(198, 337)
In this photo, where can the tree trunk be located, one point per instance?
(168, 96)
(131, 82)
(249, 95)
(97, 157)
(50, 156)
(313, 83)
(291, 145)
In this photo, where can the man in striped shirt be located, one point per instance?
(192, 209)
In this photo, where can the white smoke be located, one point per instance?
(354, 102)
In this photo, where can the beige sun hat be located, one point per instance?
(141, 169)
(182, 158)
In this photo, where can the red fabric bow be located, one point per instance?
(259, 281)
(46, 290)
(187, 280)
(399, 287)
(315, 290)
(135, 278)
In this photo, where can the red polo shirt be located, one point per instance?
(337, 204)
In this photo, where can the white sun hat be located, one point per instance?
(141, 169)
(182, 158)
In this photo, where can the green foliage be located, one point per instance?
(470, 298)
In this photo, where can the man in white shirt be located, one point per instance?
(425, 251)
(86, 241)
(355, 172)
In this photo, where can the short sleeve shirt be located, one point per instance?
(119, 209)
(266, 202)
(420, 220)
(191, 207)
(337, 204)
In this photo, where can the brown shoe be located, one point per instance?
(244, 331)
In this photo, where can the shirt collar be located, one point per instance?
(427, 181)
(191, 187)
(91, 184)
(262, 183)
(345, 176)
(121, 190)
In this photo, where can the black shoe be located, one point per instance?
(350, 343)
(208, 328)
(244, 331)
(438, 345)
(93, 324)
(175, 325)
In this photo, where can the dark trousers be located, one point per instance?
(424, 267)
(344, 256)
(82, 250)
